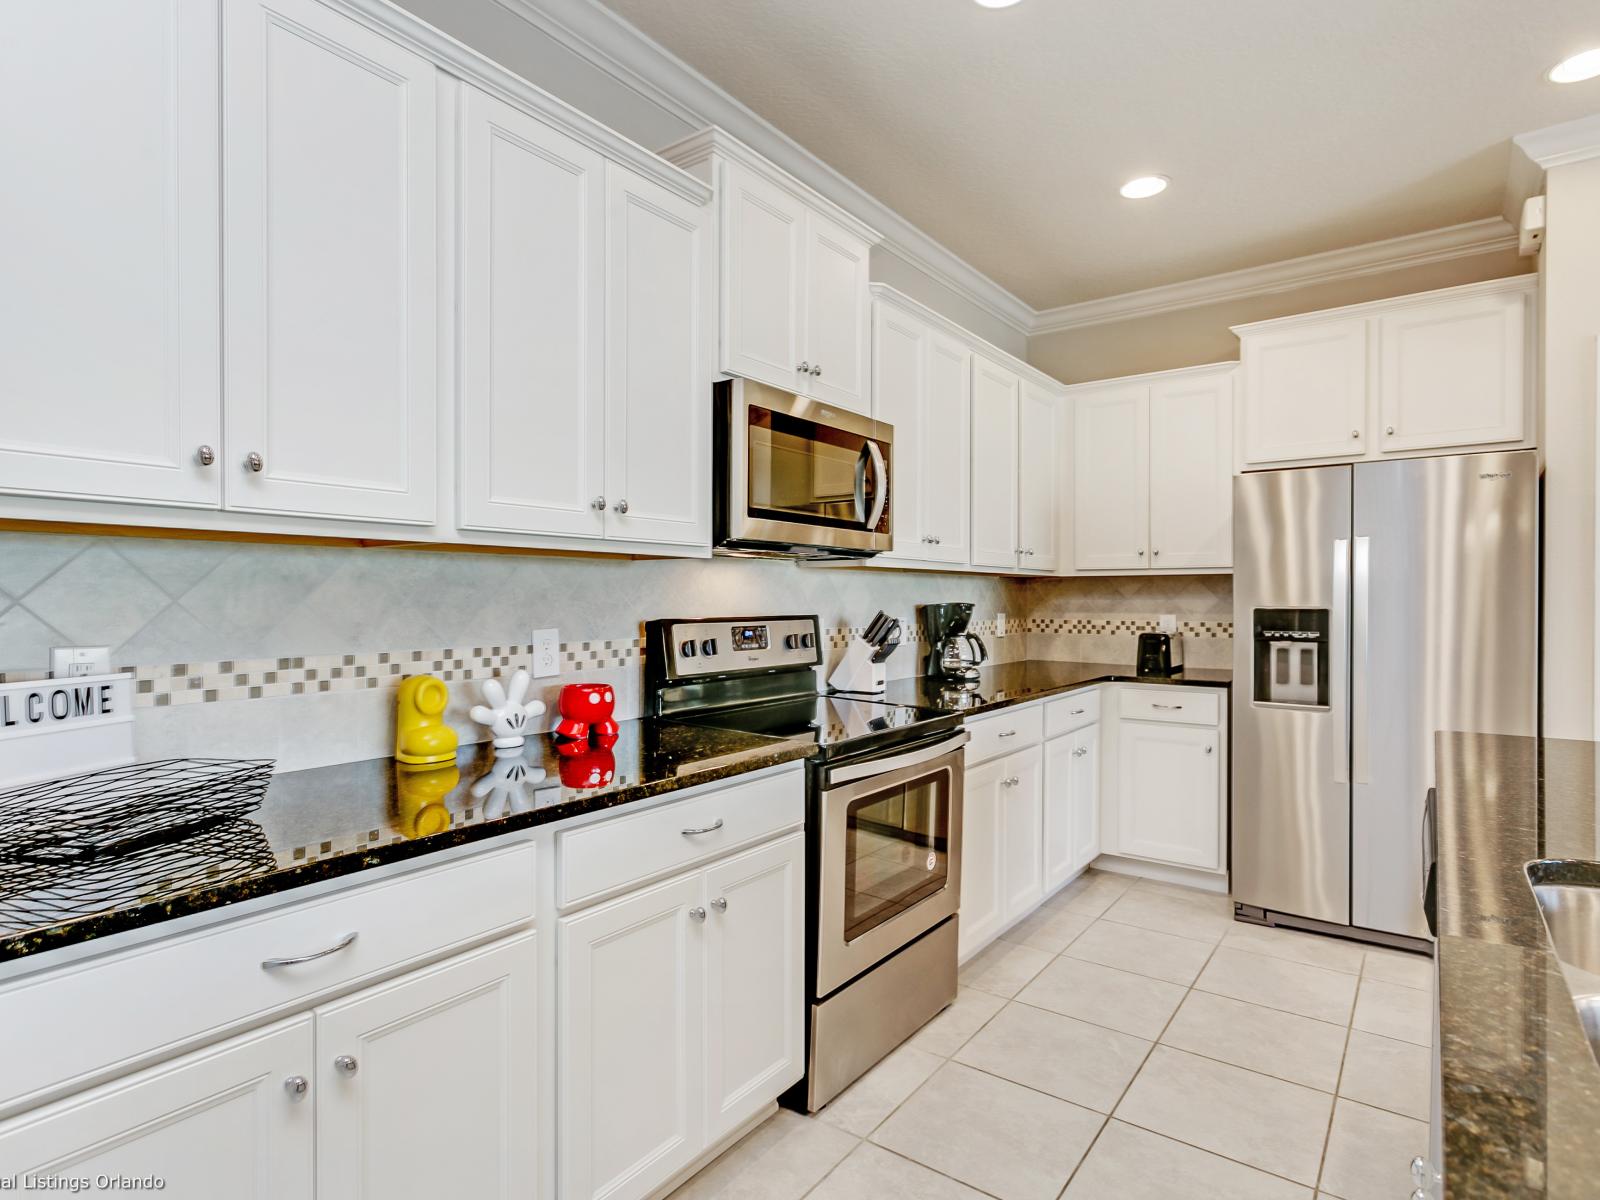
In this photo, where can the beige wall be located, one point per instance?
(1191, 336)
(1571, 286)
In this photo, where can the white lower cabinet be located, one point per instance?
(680, 1009)
(1001, 865)
(1022, 807)
(220, 1122)
(1071, 804)
(1168, 798)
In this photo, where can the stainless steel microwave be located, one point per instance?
(796, 476)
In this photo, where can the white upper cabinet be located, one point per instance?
(796, 310)
(1111, 478)
(1436, 371)
(1191, 471)
(109, 337)
(995, 396)
(946, 461)
(1453, 372)
(1039, 478)
(533, 294)
(657, 376)
(329, 250)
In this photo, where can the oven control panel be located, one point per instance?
(716, 647)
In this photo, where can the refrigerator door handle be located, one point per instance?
(1360, 666)
(1338, 657)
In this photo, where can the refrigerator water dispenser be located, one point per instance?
(1291, 657)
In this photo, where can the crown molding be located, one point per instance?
(1558, 145)
(887, 294)
(611, 44)
(1411, 250)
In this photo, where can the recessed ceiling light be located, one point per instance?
(1577, 68)
(1144, 187)
(998, 3)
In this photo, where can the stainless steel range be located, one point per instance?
(883, 828)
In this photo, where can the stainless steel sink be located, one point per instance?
(1568, 892)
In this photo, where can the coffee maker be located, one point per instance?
(953, 653)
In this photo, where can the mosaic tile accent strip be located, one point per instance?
(1101, 626)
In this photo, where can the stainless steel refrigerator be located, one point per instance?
(1374, 604)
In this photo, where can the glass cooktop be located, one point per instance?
(835, 722)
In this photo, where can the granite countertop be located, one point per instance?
(1520, 1089)
(1000, 685)
(332, 821)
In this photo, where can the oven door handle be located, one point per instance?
(882, 766)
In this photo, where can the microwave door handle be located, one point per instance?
(880, 493)
(861, 485)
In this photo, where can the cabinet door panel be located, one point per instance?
(1084, 809)
(1191, 472)
(1023, 828)
(1111, 479)
(1167, 803)
(1039, 486)
(763, 231)
(218, 1122)
(1305, 392)
(631, 979)
(658, 420)
(1453, 373)
(946, 437)
(899, 396)
(836, 311)
(982, 868)
(456, 1042)
(995, 395)
(109, 336)
(755, 993)
(330, 266)
(532, 236)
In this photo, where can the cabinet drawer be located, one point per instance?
(614, 853)
(97, 1014)
(1004, 732)
(1067, 713)
(1185, 706)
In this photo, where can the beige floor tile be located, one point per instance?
(992, 1134)
(1396, 966)
(1370, 1153)
(782, 1159)
(866, 1102)
(1049, 929)
(1335, 954)
(1386, 1073)
(1129, 1163)
(1267, 1040)
(1105, 996)
(1263, 1122)
(1170, 914)
(1218, 902)
(1142, 951)
(1002, 968)
(1086, 1064)
(949, 1031)
(1278, 983)
(1394, 1011)
(872, 1173)
(1091, 893)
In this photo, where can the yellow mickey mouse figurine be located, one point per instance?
(420, 735)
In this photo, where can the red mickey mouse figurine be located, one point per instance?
(586, 713)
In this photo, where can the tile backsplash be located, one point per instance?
(288, 650)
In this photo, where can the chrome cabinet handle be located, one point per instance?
(711, 828)
(1171, 707)
(1155, 554)
(1082, 750)
(1009, 733)
(1141, 554)
(938, 541)
(347, 1064)
(342, 944)
(622, 507)
(297, 1086)
(720, 904)
(816, 371)
(1077, 712)
(205, 456)
(698, 913)
(1355, 433)
(255, 462)
(1210, 749)
(598, 504)
(1389, 430)
(805, 368)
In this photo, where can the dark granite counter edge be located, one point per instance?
(1112, 674)
(84, 929)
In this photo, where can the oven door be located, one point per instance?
(890, 866)
(803, 473)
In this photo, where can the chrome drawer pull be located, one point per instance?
(1009, 733)
(1078, 712)
(1174, 707)
(342, 944)
(711, 828)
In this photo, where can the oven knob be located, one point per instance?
(808, 640)
(791, 641)
(687, 649)
(709, 646)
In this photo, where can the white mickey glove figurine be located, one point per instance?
(509, 719)
(509, 786)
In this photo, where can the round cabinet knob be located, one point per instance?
(598, 504)
(1210, 749)
(805, 368)
(1419, 1169)
(698, 913)
(1155, 554)
(720, 904)
(1389, 429)
(255, 462)
(1355, 433)
(205, 456)
(1141, 554)
(816, 371)
(297, 1086)
(1419, 1194)
(347, 1064)
(938, 541)
(622, 507)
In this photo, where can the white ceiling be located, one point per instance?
(1288, 127)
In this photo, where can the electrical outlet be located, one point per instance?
(546, 653)
(999, 625)
(67, 662)
(1168, 623)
